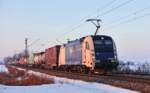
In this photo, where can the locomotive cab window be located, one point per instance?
(108, 42)
(98, 42)
(87, 46)
(102, 46)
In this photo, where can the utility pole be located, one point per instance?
(96, 22)
(26, 47)
(26, 43)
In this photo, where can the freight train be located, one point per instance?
(96, 54)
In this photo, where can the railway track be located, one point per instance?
(134, 82)
(124, 77)
(131, 78)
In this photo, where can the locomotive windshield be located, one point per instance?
(103, 46)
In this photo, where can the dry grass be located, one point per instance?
(21, 78)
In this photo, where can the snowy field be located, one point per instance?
(3, 69)
(63, 85)
(81, 87)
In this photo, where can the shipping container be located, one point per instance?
(52, 57)
(23, 61)
(39, 58)
(31, 58)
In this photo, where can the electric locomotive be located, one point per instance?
(89, 54)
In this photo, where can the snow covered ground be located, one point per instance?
(63, 85)
(3, 68)
(81, 87)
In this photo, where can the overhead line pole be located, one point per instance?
(26, 43)
(26, 47)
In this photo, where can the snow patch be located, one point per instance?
(3, 68)
(63, 85)
(78, 86)
(64, 88)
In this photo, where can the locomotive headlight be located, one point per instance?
(97, 61)
(113, 60)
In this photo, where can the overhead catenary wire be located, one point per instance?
(129, 15)
(114, 8)
(82, 21)
(33, 42)
(99, 15)
(129, 20)
(70, 31)
(104, 7)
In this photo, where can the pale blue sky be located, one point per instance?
(50, 19)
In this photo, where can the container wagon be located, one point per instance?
(39, 59)
(51, 57)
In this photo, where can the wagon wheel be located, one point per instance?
(80, 70)
(102, 71)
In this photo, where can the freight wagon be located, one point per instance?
(51, 57)
(39, 58)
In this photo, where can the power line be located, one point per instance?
(114, 8)
(104, 7)
(136, 18)
(70, 31)
(33, 42)
(129, 15)
(129, 20)
(81, 22)
(108, 4)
